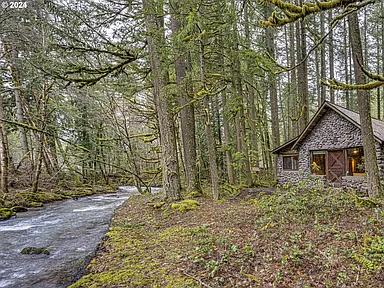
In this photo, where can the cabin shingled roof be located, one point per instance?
(351, 116)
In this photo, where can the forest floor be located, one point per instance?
(288, 238)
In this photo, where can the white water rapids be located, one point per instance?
(70, 230)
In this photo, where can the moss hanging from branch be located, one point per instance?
(334, 84)
(297, 12)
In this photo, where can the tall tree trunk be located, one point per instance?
(378, 50)
(346, 66)
(323, 89)
(240, 116)
(154, 23)
(254, 153)
(331, 58)
(287, 107)
(317, 87)
(38, 164)
(292, 91)
(352, 95)
(208, 129)
(363, 98)
(269, 41)
(253, 126)
(15, 73)
(227, 141)
(302, 76)
(226, 130)
(41, 103)
(3, 151)
(282, 112)
(267, 140)
(365, 37)
(187, 113)
(382, 45)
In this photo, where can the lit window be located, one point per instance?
(355, 162)
(291, 162)
(318, 162)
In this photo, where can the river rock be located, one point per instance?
(35, 250)
(6, 213)
(19, 209)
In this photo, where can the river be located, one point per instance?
(70, 230)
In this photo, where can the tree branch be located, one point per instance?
(297, 12)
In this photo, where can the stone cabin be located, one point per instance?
(330, 149)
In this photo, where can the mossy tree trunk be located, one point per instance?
(252, 117)
(187, 113)
(154, 22)
(293, 111)
(363, 98)
(41, 104)
(214, 175)
(241, 133)
(3, 151)
(302, 76)
(331, 58)
(346, 66)
(323, 88)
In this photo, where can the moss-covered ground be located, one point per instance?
(286, 238)
(21, 200)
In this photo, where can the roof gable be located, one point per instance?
(351, 116)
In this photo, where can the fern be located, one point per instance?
(367, 264)
(371, 254)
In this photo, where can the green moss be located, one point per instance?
(252, 201)
(8, 204)
(156, 205)
(134, 225)
(25, 198)
(6, 213)
(36, 204)
(35, 250)
(194, 194)
(139, 257)
(185, 205)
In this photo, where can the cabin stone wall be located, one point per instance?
(332, 131)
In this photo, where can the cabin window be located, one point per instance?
(318, 162)
(355, 162)
(291, 162)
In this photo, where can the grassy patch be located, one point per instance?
(287, 238)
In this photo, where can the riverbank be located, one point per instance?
(66, 232)
(284, 239)
(22, 200)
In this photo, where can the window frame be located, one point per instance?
(293, 155)
(352, 174)
(319, 152)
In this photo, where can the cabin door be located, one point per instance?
(335, 166)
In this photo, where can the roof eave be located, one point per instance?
(274, 151)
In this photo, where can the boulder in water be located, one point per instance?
(6, 213)
(19, 209)
(35, 250)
